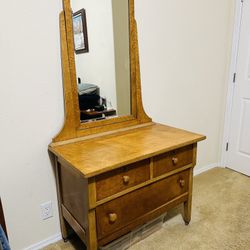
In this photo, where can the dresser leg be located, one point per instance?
(188, 203)
(65, 228)
(187, 212)
(92, 238)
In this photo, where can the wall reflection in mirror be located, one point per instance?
(101, 36)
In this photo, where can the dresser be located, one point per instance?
(109, 185)
(121, 172)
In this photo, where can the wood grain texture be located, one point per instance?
(107, 133)
(139, 203)
(172, 160)
(143, 219)
(194, 154)
(74, 194)
(99, 155)
(72, 127)
(77, 195)
(80, 231)
(65, 229)
(91, 229)
(121, 179)
(92, 237)
(126, 191)
(92, 193)
(188, 204)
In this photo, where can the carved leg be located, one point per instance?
(92, 238)
(65, 228)
(188, 203)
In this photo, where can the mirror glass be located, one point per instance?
(101, 37)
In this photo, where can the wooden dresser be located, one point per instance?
(116, 174)
(109, 185)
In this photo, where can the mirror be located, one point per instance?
(102, 58)
(128, 107)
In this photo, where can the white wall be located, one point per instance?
(31, 113)
(98, 65)
(185, 53)
(184, 50)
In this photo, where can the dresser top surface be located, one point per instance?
(102, 154)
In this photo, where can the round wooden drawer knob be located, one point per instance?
(126, 179)
(175, 160)
(112, 217)
(182, 182)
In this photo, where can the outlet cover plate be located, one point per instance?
(46, 210)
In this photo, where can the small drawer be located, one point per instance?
(123, 178)
(172, 160)
(119, 213)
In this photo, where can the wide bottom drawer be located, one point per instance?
(120, 212)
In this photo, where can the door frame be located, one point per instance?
(231, 82)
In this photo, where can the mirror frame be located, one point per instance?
(73, 128)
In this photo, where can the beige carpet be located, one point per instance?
(220, 218)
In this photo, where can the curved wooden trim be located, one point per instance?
(87, 137)
(141, 116)
(72, 126)
(69, 128)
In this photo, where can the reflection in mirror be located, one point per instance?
(101, 35)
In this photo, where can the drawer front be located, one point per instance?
(172, 160)
(118, 180)
(122, 211)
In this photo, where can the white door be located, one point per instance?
(239, 138)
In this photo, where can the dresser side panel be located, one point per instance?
(74, 190)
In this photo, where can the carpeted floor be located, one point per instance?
(220, 218)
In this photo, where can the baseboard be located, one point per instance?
(205, 168)
(45, 243)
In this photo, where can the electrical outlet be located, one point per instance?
(46, 210)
